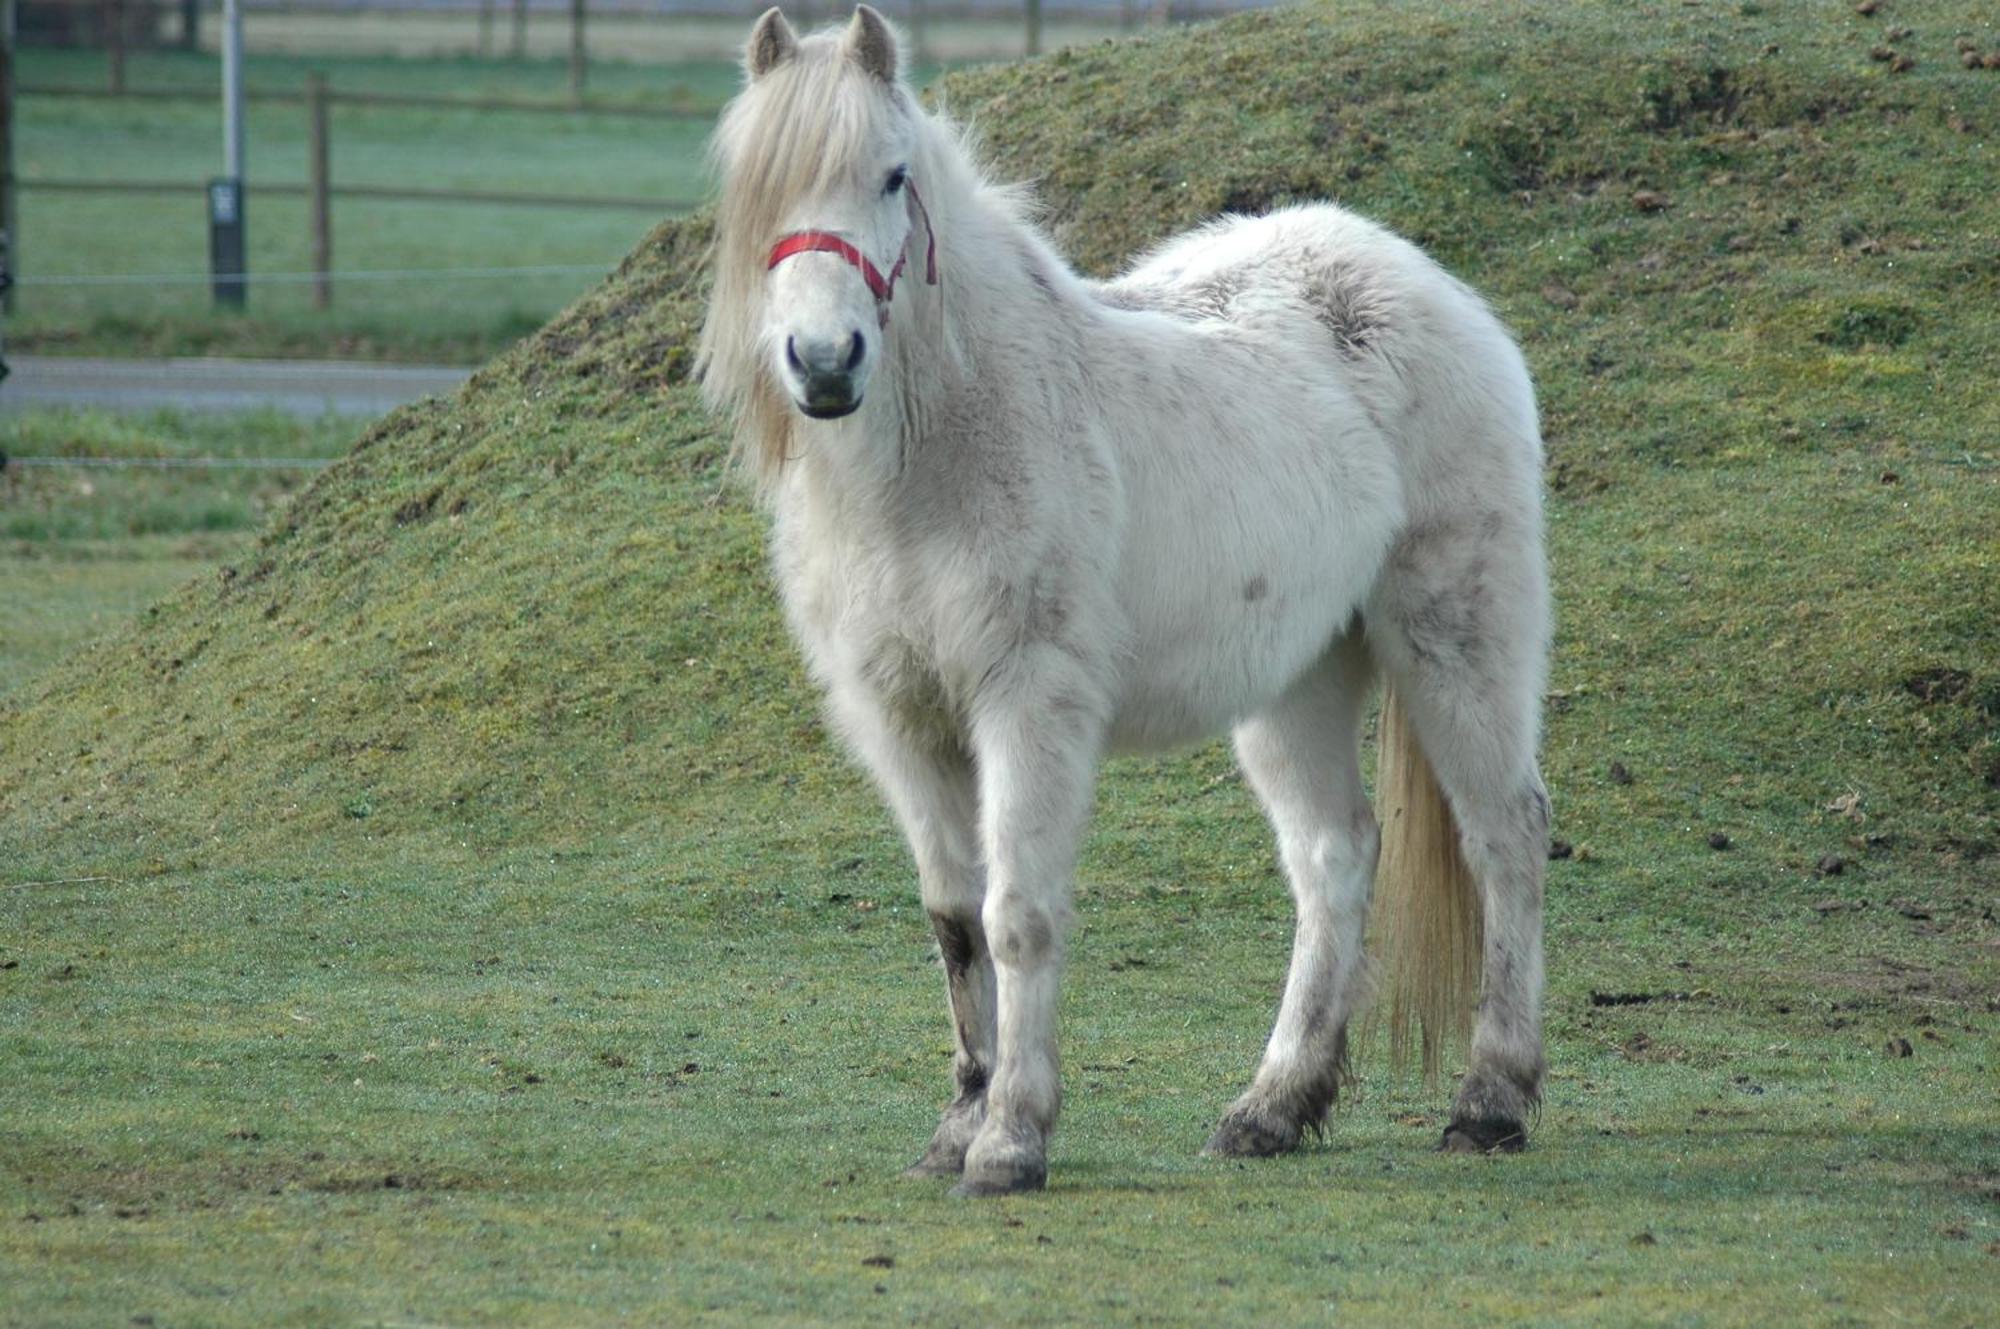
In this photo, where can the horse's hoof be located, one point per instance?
(1004, 1181)
(1013, 1167)
(1248, 1135)
(1484, 1135)
(936, 1163)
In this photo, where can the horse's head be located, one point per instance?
(819, 208)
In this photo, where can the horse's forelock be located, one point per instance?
(792, 133)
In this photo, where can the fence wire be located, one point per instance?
(300, 278)
(175, 463)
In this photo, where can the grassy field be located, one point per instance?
(83, 549)
(436, 317)
(450, 911)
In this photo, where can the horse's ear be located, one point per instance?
(871, 43)
(772, 42)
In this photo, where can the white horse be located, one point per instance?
(1023, 520)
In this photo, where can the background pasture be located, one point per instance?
(442, 311)
(450, 910)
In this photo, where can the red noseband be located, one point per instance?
(882, 288)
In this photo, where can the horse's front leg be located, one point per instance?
(926, 776)
(1037, 736)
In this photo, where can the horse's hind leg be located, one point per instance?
(1300, 757)
(928, 781)
(1460, 624)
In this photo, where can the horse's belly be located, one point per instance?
(1240, 573)
(1233, 649)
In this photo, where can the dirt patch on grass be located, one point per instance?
(76, 1187)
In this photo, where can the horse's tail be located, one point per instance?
(1427, 910)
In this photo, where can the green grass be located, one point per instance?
(473, 830)
(83, 549)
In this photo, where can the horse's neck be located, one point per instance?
(1002, 295)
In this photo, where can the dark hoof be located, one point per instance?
(1243, 1135)
(1007, 1181)
(937, 1163)
(1484, 1135)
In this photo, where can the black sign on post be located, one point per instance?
(226, 240)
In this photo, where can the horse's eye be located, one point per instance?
(896, 178)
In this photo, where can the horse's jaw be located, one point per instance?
(856, 448)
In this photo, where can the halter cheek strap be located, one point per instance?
(881, 287)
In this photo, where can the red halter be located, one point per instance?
(882, 288)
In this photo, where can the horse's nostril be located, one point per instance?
(860, 349)
(792, 355)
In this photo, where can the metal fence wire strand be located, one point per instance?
(175, 463)
(300, 278)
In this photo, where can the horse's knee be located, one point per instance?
(1335, 867)
(1019, 931)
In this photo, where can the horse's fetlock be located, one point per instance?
(1510, 1093)
(957, 1128)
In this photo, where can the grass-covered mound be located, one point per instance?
(1755, 271)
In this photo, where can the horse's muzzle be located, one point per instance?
(826, 375)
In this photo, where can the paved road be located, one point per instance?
(301, 387)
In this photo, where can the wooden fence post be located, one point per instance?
(576, 57)
(190, 25)
(320, 189)
(518, 47)
(1034, 27)
(485, 28)
(919, 51)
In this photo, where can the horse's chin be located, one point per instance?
(830, 411)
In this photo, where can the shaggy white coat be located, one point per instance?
(1218, 494)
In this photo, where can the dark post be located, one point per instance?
(225, 240)
(190, 25)
(919, 11)
(519, 47)
(1034, 27)
(114, 42)
(576, 59)
(485, 28)
(228, 249)
(10, 231)
(318, 151)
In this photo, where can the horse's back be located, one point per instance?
(1419, 349)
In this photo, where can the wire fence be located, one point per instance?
(307, 278)
(498, 30)
(174, 463)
